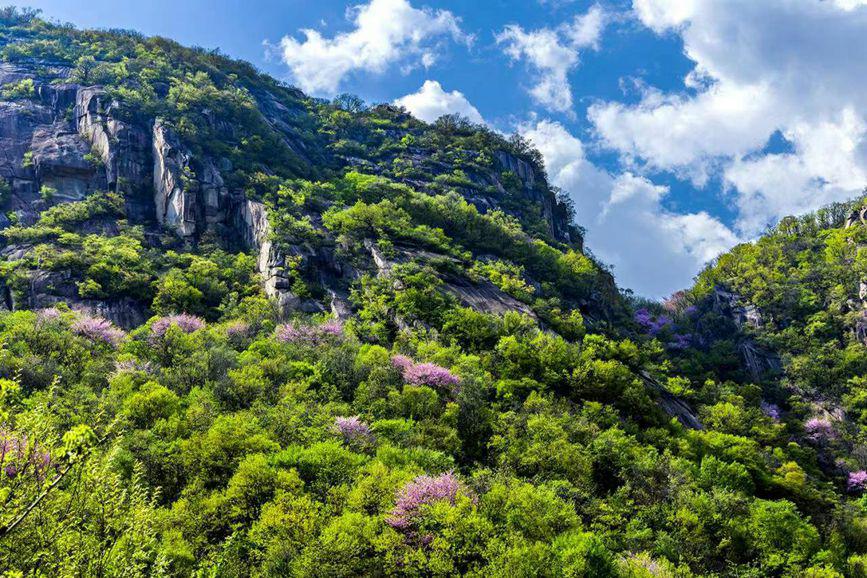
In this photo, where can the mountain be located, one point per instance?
(246, 332)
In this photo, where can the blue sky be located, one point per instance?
(679, 127)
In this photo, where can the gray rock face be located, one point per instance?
(731, 305)
(123, 148)
(559, 228)
(671, 404)
(251, 219)
(758, 360)
(174, 197)
(43, 159)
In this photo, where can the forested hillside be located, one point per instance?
(246, 332)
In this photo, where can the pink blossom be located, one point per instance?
(19, 457)
(432, 375)
(401, 362)
(771, 410)
(422, 491)
(184, 322)
(238, 330)
(353, 430)
(429, 374)
(857, 481)
(98, 329)
(819, 429)
(47, 315)
(309, 334)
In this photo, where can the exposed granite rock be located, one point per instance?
(123, 147)
(485, 297)
(732, 306)
(671, 404)
(174, 201)
(758, 360)
(251, 220)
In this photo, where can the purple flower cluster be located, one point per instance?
(819, 429)
(98, 329)
(651, 324)
(18, 457)
(429, 374)
(47, 315)
(771, 410)
(680, 341)
(238, 330)
(432, 375)
(184, 322)
(353, 430)
(422, 491)
(857, 481)
(401, 362)
(309, 334)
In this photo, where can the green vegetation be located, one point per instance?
(420, 436)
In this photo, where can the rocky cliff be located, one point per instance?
(67, 140)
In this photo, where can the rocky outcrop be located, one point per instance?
(671, 404)
(123, 148)
(757, 359)
(486, 297)
(42, 157)
(174, 195)
(251, 220)
(731, 305)
(858, 217)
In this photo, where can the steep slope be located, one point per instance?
(211, 150)
(249, 333)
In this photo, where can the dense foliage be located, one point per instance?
(420, 436)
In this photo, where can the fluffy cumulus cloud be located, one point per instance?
(432, 102)
(386, 32)
(552, 54)
(653, 250)
(761, 68)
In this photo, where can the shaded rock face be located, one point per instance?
(123, 148)
(175, 203)
(58, 146)
(42, 157)
(758, 360)
(732, 306)
(671, 404)
(558, 224)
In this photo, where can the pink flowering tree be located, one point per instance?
(355, 433)
(98, 330)
(47, 316)
(429, 374)
(309, 334)
(238, 330)
(20, 458)
(401, 362)
(184, 322)
(857, 481)
(820, 429)
(417, 495)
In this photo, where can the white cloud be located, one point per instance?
(760, 67)
(586, 30)
(432, 102)
(386, 32)
(553, 60)
(654, 251)
(660, 15)
(553, 54)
